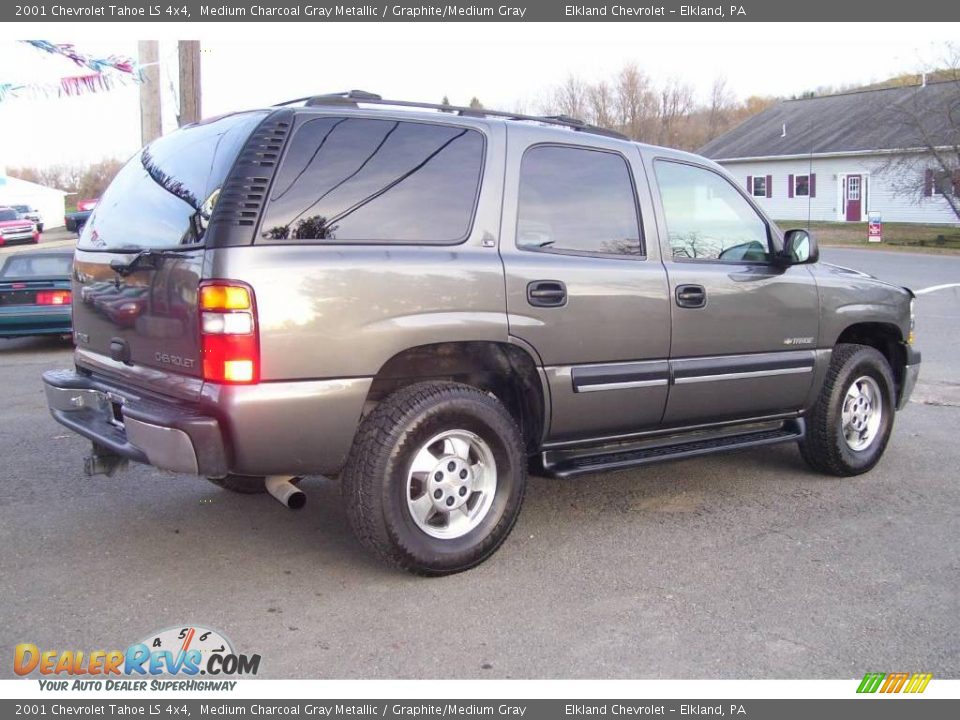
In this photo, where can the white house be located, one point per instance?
(840, 157)
(49, 201)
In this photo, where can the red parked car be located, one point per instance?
(14, 229)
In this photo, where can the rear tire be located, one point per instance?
(850, 424)
(435, 478)
(242, 484)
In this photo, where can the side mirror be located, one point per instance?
(799, 247)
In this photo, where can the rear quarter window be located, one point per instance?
(356, 180)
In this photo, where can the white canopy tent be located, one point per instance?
(49, 201)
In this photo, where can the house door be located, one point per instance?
(854, 195)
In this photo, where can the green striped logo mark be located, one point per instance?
(871, 682)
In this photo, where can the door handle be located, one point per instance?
(691, 296)
(547, 293)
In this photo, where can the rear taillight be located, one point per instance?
(53, 297)
(230, 346)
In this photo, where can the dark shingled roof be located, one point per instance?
(888, 119)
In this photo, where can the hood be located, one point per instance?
(840, 270)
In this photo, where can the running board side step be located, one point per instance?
(570, 463)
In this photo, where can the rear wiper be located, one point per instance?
(143, 260)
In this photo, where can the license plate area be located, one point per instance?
(115, 410)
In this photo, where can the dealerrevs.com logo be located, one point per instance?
(185, 652)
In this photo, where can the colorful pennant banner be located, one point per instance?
(108, 73)
(98, 65)
(67, 87)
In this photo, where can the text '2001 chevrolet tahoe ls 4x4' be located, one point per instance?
(420, 300)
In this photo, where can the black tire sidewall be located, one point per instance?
(491, 423)
(866, 362)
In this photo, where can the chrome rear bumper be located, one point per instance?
(165, 435)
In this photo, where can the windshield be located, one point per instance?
(21, 208)
(24, 266)
(164, 196)
(8, 214)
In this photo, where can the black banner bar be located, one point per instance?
(872, 708)
(504, 11)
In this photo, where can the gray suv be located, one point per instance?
(424, 300)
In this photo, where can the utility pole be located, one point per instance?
(149, 57)
(189, 55)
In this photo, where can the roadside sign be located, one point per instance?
(874, 228)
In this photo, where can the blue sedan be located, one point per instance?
(35, 293)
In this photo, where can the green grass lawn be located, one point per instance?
(898, 235)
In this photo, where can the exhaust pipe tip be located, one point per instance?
(285, 491)
(297, 500)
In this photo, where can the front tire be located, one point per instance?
(850, 424)
(435, 478)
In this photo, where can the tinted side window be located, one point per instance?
(707, 218)
(359, 179)
(577, 200)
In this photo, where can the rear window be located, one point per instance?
(24, 267)
(370, 180)
(164, 195)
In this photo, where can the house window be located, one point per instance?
(760, 186)
(942, 183)
(853, 187)
(802, 186)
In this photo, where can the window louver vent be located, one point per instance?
(243, 195)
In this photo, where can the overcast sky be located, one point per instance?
(246, 65)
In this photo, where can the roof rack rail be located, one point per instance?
(354, 97)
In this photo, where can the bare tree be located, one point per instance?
(87, 181)
(60, 176)
(571, 97)
(718, 112)
(636, 103)
(602, 104)
(676, 105)
(633, 104)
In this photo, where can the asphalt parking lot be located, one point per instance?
(745, 565)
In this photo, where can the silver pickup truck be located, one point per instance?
(426, 300)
